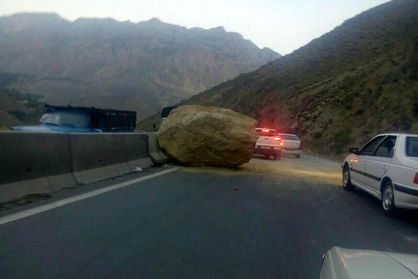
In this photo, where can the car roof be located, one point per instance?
(397, 134)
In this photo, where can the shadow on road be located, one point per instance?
(403, 215)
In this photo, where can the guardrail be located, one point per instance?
(32, 163)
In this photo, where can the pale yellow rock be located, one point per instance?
(208, 136)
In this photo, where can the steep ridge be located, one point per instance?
(106, 63)
(340, 89)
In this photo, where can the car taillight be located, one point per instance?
(277, 138)
(265, 130)
(416, 178)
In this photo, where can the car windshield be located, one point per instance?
(76, 119)
(288, 137)
(412, 146)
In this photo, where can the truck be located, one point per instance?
(69, 119)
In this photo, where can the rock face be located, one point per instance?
(209, 136)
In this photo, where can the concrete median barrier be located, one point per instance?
(100, 156)
(157, 156)
(140, 146)
(33, 163)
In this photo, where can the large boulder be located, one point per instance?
(208, 136)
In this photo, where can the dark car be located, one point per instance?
(83, 119)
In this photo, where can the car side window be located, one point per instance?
(370, 147)
(385, 149)
(412, 146)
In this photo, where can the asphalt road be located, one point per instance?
(267, 220)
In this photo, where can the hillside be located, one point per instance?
(102, 62)
(340, 89)
(17, 108)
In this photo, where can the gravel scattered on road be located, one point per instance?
(314, 168)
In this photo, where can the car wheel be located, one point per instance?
(388, 199)
(297, 156)
(347, 180)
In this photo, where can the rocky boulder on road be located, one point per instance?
(208, 136)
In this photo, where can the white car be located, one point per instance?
(387, 168)
(340, 263)
(291, 145)
(268, 143)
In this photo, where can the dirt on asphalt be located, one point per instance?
(307, 166)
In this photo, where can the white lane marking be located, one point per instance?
(26, 213)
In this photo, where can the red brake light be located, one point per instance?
(416, 178)
(277, 138)
(265, 130)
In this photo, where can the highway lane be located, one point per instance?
(270, 219)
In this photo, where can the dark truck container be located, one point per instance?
(83, 119)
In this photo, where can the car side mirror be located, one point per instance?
(354, 150)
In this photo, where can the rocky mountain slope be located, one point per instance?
(106, 63)
(17, 108)
(340, 89)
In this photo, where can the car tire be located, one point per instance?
(347, 179)
(388, 199)
(297, 156)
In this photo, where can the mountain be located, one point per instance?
(340, 89)
(17, 108)
(106, 63)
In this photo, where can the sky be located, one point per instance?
(282, 25)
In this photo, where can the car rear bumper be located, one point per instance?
(267, 150)
(406, 196)
(292, 151)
